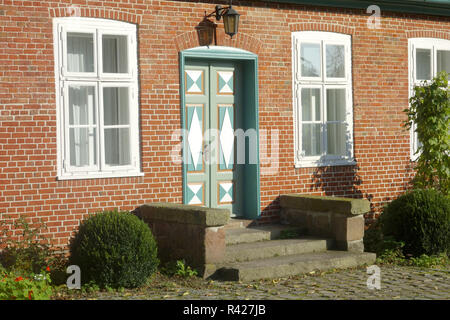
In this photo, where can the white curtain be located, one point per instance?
(336, 130)
(423, 64)
(311, 118)
(443, 61)
(82, 109)
(116, 113)
(115, 55)
(80, 52)
(82, 132)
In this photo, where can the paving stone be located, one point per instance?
(396, 283)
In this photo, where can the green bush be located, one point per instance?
(29, 253)
(32, 252)
(421, 220)
(373, 238)
(114, 249)
(375, 241)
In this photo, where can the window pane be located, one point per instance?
(83, 146)
(310, 104)
(335, 61)
(310, 59)
(115, 106)
(336, 139)
(423, 64)
(80, 52)
(81, 105)
(117, 146)
(311, 139)
(443, 61)
(336, 105)
(115, 54)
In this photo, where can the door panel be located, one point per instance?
(197, 121)
(212, 104)
(223, 100)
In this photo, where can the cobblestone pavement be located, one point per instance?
(396, 283)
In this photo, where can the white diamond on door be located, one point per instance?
(195, 193)
(194, 81)
(225, 82)
(225, 192)
(195, 136)
(226, 127)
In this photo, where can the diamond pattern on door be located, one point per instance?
(226, 137)
(225, 192)
(225, 82)
(195, 137)
(195, 193)
(194, 81)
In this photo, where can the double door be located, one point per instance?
(212, 102)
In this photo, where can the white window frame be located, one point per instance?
(323, 82)
(63, 79)
(434, 44)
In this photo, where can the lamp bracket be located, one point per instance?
(218, 12)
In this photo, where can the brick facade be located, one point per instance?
(28, 149)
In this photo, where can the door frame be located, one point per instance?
(249, 62)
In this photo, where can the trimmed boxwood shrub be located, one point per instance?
(114, 249)
(421, 220)
(373, 238)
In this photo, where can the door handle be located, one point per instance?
(205, 150)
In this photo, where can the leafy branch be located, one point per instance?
(429, 113)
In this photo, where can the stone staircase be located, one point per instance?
(257, 252)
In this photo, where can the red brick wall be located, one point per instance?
(28, 147)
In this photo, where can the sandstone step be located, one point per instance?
(278, 267)
(266, 249)
(254, 234)
(236, 223)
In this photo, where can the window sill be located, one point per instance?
(100, 175)
(324, 163)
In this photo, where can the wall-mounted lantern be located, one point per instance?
(230, 22)
(206, 31)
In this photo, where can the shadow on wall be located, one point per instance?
(270, 214)
(338, 181)
(341, 181)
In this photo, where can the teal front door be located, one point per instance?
(213, 112)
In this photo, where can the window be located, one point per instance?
(427, 57)
(96, 81)
(322, 99)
